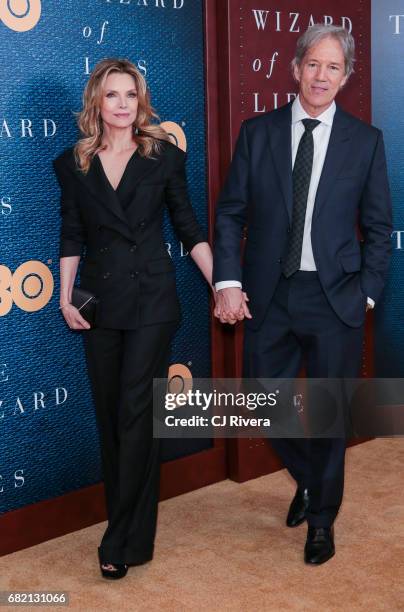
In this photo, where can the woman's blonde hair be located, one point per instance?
(148, 136)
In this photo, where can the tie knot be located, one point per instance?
(310, 124)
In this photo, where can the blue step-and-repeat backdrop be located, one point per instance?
(48, 438)
(387, 110)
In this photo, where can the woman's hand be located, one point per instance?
(231, 305)
(73, 317)
(217, 306)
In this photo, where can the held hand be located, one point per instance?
(215, 297)
(217, 310)
(73, 318)
(247, 312)
(231, 305)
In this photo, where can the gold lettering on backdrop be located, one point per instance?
(164, 4)
(6, 206)
(284, 21)
(271, 67)
(396, 21)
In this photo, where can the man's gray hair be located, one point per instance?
(317, 32)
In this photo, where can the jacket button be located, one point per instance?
(134, 274)
(133, 248)
(280, 260)
(107, 275)
(142, 224)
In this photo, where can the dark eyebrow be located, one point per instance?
(114, 91)
(331, 63)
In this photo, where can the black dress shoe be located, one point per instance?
(298, 508)
(319, 545)
(120, 570)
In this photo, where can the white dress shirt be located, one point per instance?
(321, 138)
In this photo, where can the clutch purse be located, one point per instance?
(86, 302)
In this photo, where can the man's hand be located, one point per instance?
(231, 305)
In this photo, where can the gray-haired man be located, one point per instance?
(301, 179)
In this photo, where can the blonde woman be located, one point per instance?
(115, 184)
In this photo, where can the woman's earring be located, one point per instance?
(136, 131)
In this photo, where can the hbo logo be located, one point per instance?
(30, 287)
(20, 15)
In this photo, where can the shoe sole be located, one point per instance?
(319, 562)
(296, 524)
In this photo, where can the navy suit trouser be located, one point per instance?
(301, 329)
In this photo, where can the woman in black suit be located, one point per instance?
(115, 184)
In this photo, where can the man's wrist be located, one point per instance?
(227, 284)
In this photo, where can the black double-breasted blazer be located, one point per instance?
(125, 259)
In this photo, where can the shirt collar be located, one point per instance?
(298, 113)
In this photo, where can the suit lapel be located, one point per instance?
(279, 132)
(98, 185)
(337, 151)
(141, 167)
(139, 170)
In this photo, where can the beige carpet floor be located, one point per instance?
(225, 547)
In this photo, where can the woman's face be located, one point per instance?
(119, 100)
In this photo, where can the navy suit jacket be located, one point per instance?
(353, 191)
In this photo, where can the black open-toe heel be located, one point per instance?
(120, 570)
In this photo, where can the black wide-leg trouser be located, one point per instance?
(121, 366)
(301, 328)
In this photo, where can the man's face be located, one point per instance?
(321, 75)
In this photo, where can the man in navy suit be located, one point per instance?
(302, 179)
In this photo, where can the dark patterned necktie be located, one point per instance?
(301, 183)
